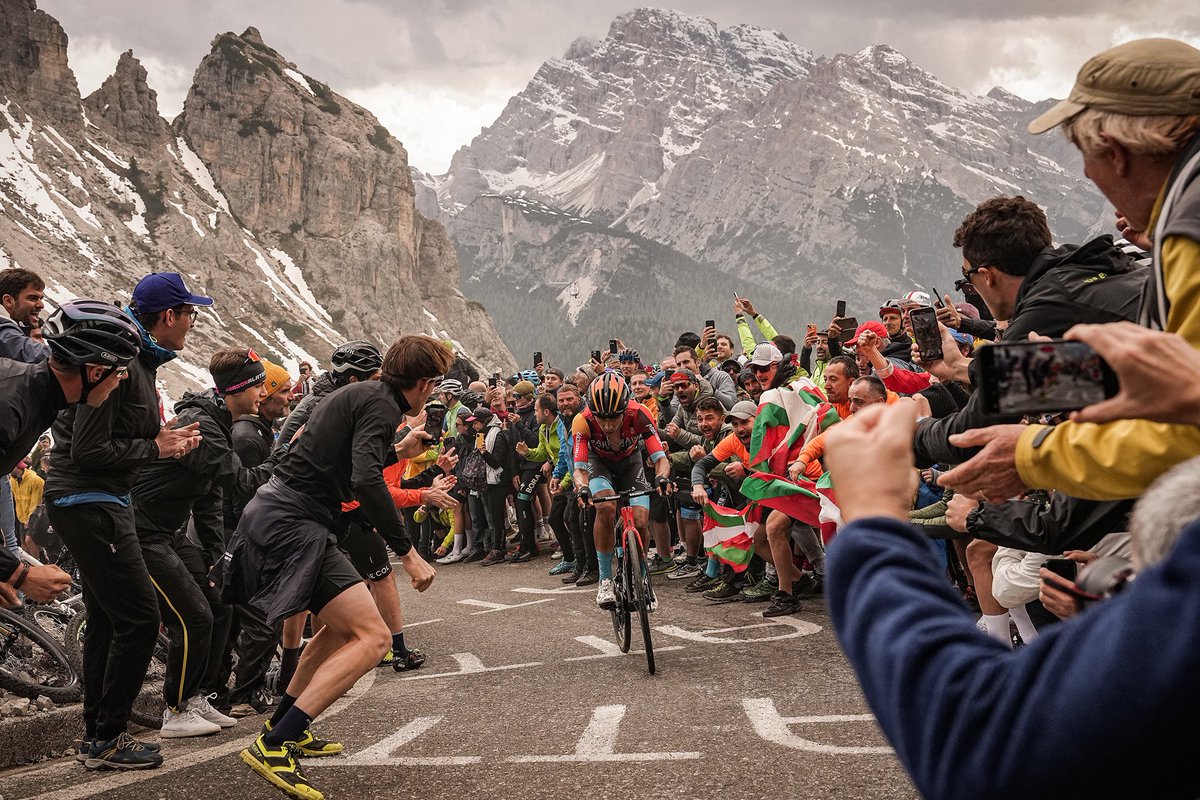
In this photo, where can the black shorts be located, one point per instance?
(367, 551)
(619, 476)
(335, 575)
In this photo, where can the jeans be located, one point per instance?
(8, 515)
(497, 516)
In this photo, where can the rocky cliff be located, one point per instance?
(800, 180)
(289, 204)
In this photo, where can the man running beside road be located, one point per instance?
(610, 436)
(285, 554)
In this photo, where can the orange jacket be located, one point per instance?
(392, 476)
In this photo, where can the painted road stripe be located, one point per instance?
(610, 650)
(493, 607)
(469, 664)
(769, 725)
(598, 743)
(380, 754)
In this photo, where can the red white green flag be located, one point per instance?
(729, 534)
(812, 503)
(788, 417)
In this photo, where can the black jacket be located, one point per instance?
(102, 449)
(1091, 283)
(253, 439)
(322, 387)
(524, 429)
(898, 346)
(341, 455)
(170, 490)
(1066, 523)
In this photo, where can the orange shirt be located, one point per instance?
(729, 447)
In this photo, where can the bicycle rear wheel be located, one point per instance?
(639, 582)
(622, 625)
(32, 663)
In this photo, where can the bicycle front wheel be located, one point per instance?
(32, 663)
(638, 579)
(622, 625)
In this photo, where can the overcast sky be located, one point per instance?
(436, 71)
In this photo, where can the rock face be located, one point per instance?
(286, 202)
(33, 63)
(796, 180)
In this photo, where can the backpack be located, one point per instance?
(472, 473)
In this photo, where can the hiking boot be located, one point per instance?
(204, 709)
(701, 583)
(123, 752)
(722, 592)
(182, 724)
(782, 604)
(760, 592)
(572, 577)
(562, 568)
(808, 585)
(84, 746)
(684, 570)
(280, 768)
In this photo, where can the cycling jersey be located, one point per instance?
(637, 427)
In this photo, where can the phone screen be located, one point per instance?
(849, 328)
(612, 346)
(434, 417)
(595, 355)
(841, 309)
(925, 331)
(1062, 567)
(1038, 377)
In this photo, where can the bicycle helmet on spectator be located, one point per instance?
(608, 395)
(356, 359)
(85, 331)
(471, 399)
(531, 376)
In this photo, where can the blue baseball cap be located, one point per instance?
(159, 291)
(962, 338)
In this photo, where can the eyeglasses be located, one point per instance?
(761, 367)
(966, 276)
(120, 372)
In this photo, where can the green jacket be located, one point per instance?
(747, 338)
(547, 446)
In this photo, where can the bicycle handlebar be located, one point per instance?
(627, 494)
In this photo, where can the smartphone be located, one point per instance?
(1062, 567)
(1038, 377)
(812, 329)
(849, 328)
(612, 346)
(926, 333)
(435, 416)
(537, 359)
(596, 355)
(841, 309)
(710, 323)
(938, 302)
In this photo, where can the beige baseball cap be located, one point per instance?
(1142, 78)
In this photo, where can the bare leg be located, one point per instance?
(779, 536)
(293, 630)
(387, 599)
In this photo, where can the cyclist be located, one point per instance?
(611, 434)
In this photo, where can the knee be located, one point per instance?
(377, 638)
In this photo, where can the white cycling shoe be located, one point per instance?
(606, 598)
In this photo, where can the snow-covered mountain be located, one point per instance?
(654, 172)
(286, 202)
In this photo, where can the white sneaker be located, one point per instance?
(605, 597)
(452, 558)
(180, 724)
(201, 704)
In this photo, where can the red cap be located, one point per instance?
(873, 325)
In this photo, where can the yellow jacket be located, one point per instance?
(1121, 459)
(27, 494)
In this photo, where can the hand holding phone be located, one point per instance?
(926, 333)
(1039, 377)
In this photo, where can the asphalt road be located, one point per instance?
(525, 696)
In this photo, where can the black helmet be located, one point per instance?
(471, 399)
(358, 359)
(608, 395)
(92, 332)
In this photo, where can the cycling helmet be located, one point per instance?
(84, 331)
(918, 298)
(356, 359)
(471, 399)
(608, 396)
(531, 376)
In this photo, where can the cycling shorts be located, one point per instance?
(367, 551)
(620, 476)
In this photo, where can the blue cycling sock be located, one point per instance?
(712, 568)
(604, 562)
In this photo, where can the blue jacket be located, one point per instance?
(566, 446)
(1103, 705)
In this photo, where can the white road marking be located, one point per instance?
(769, 725)
(493, 607)
(422, 622)
(174, 762)
(469, 664)
(798, 627)
(598, 743)
(610, 650)
(568, 589)
(380, 754)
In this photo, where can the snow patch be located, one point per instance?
(202, 176)
(109, 154)
(195, 225)
(432, 318)
(293, 274)
(298, 353)
(576, 295)
(290, 298)
(300, 79)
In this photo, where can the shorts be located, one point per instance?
(334, 575)
(367, 551)
(620, 476)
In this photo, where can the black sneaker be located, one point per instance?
(524, 555)
(123, 752)
(476, 554)
(586, 578)
(494, 557)
(723, 592)
(572, 577)
(413, 660)
(701, 583)
(280, 768)
(782, 604)
(808, 584)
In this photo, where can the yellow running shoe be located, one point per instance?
(280, 768)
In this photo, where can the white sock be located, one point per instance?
(1025, 627)
(997, 627)
(459, 538)
(770, 572)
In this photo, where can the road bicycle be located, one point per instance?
(32, 663)
(631, 578)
